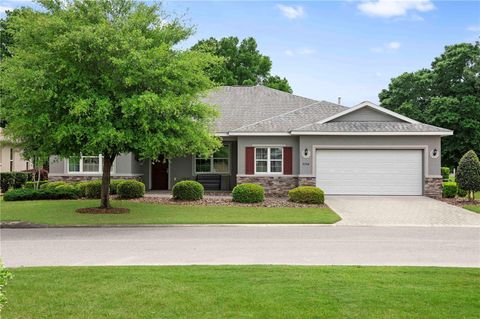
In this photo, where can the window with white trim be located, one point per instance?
(269, 160)
(85, 164)
(219, 162)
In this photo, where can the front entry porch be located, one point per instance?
(217, 173)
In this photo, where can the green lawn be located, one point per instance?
(62, 212)
(243, 292)
(473, 208)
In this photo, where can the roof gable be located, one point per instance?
(367, 112)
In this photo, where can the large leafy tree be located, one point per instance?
(446, 95)
(104, 77)
(243, 64)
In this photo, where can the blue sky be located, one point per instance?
(328, 49)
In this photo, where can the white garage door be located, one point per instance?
(370, 172)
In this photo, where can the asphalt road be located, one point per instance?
(296, 245)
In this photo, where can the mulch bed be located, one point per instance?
(269, 202)
(97, 210)
(459, 201)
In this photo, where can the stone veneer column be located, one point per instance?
(274, 185)
(433, 187)
(307, 181)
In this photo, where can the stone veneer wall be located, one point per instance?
(78, 178)
(274, 185)
(307, 181)
(433, 187)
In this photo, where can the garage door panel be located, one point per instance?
(370, 172)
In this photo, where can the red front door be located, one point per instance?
(160, 174)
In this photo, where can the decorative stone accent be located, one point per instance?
(433, 187)
(79, 178)
(274, 185)
(307, 181)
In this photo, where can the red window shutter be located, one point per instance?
(287, 161)
(250, 160)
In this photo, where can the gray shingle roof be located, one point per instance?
(243, 105)
(370, 127)
(297, 118)
(258, 109)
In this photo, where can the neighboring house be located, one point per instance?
(11, 159)
(282, 140)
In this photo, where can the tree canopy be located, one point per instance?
(104, 77)
(446, 95)
(243, 64)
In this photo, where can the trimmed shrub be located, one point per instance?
(13, 180)
(31, 185)
(114, 185)
(306, 195)
(68, 188)
(93, 189)
(445, 171)
(468, 173)
(131, 189)
(35, 194)
(461, 192)
(82, 188)
(449, 189)
(188, 190)
(248, 193)
(51, 185)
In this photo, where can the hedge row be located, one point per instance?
(64, 190)
(35, 194)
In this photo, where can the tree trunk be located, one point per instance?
(105, 196)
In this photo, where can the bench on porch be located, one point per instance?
(211, 182)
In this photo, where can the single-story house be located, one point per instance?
(281, 140)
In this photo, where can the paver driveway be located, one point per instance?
(399, 211)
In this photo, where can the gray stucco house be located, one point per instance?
(282, 140)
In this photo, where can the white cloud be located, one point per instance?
(378, 74)
(474, 28)
(387, 47)
(291, 12)
(300, 51)
(394, 8)
(393, 45)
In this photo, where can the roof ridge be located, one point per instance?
(272, 117)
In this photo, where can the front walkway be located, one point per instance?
(399, 211)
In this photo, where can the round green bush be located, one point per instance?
(449, 189)
(188, 190)
(131, 189)
(306, 195)
(93, 189)
(51, 185)
(248, 193)
(114, 185)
